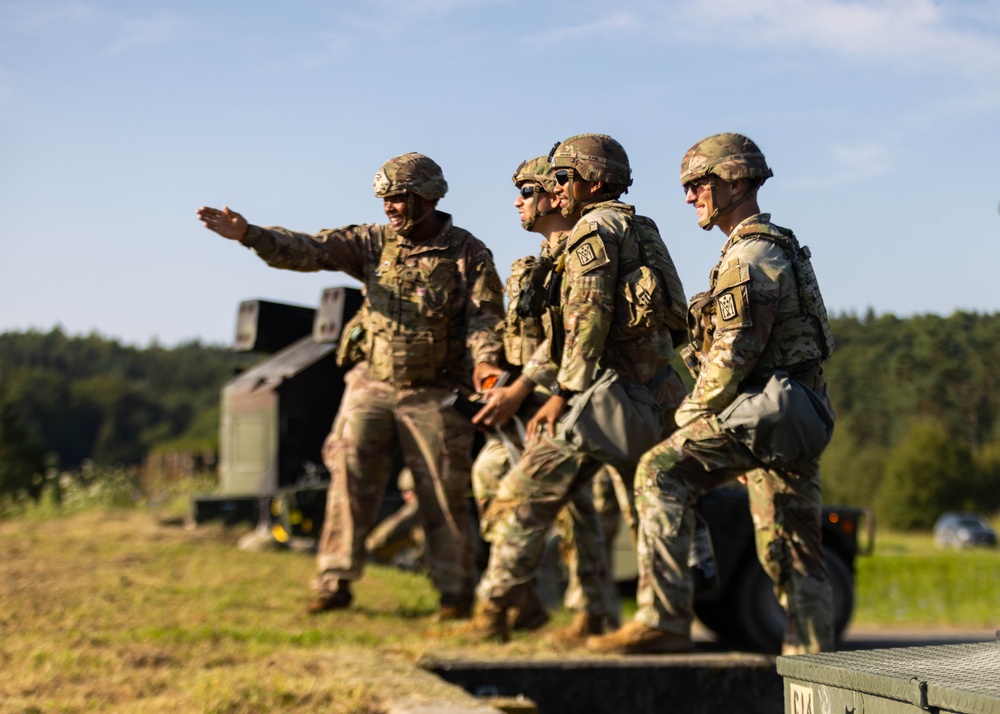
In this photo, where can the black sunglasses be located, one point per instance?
(563, 176)
(529, 190)
(695, 185)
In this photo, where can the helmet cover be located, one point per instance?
(411, 173)
(728, 156)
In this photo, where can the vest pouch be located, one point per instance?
(407, 360)
(351, 348)
(521, 338)
(784, 423)
(615, 421)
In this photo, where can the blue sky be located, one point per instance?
(119, 119)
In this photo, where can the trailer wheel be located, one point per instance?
(761, 619)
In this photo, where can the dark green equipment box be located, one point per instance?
(944, 679)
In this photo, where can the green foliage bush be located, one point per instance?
(22, 455)
(927, 472)
(918, 415)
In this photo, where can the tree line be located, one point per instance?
(68, 402)
(916, 400)
(917, 404)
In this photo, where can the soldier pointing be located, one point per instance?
(432, 297)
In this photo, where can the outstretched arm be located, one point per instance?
(228, 224)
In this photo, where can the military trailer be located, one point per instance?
(276, 415)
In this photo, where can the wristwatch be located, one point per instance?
(556, 390)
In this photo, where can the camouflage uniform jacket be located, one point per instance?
(601, 328)
(763, 312)
(429, 306)
(533, 283)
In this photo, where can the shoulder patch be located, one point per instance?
(732, 296)
(487, 286)
(589, 254)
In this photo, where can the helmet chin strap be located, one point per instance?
(411, 223)
(571, 203)
(708, 223)
(529, 222)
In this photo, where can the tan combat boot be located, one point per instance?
(582, 627)
(489, 624)
(637, 638)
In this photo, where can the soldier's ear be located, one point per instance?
(596, 188)
(423, 204)
(738, 187)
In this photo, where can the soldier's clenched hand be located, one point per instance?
(228, 224)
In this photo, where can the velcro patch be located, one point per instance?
(590, 254)
(734, 273)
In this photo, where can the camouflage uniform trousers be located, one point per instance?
(397, 533)
(614, 493)
(583, 592)
(786, 510)
(551, 475)
(375, 420)
(607, 499)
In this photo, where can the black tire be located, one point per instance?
(761, 619)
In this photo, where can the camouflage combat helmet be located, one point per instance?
(730, 157)
(411, 173)
(537, 171)
(593, 157)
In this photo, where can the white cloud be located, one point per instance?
(852, 162)
(370, 25)
(134, 34)
(610, 28)
(32, 18)
(433, 7)
(909, 33)
(956, 36)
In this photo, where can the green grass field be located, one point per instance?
(115, 611)
(910, 582)
(119, 610)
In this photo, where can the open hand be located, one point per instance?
(228, 224)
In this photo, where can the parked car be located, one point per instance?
(963, 530)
